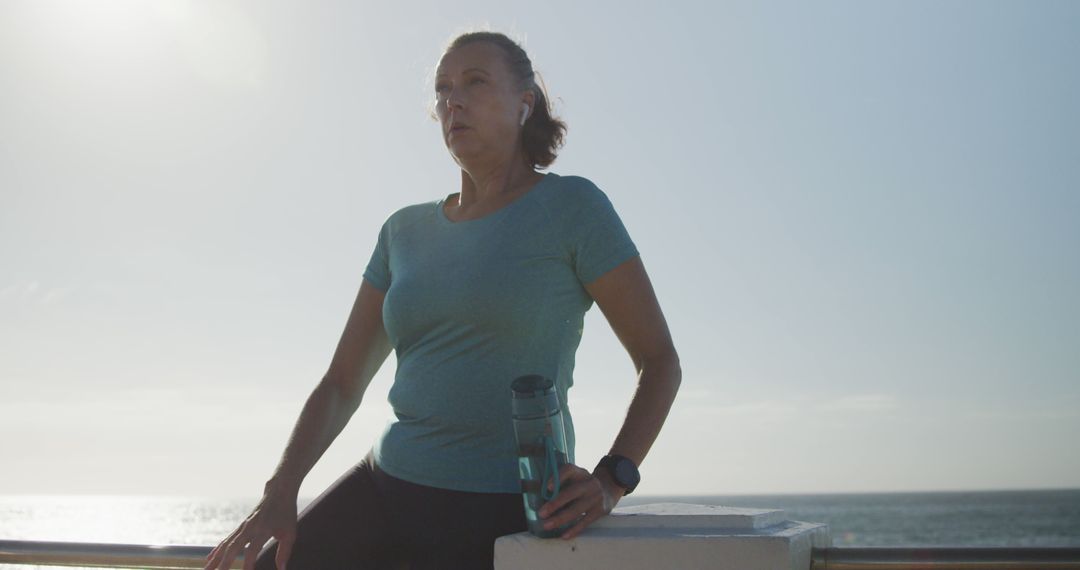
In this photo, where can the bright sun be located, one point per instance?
(218, 41)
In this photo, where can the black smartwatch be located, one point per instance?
(622, 471)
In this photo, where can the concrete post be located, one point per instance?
(672, 536)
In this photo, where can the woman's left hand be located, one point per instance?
(583, 497)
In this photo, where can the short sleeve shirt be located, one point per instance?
(472, 305)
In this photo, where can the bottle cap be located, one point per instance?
(531, 386)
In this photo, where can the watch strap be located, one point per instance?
(609, 463)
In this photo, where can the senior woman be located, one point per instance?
(471, 291)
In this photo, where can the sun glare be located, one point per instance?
(218, 41)
(91, 24)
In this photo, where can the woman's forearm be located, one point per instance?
(658, 382)
(325, 414)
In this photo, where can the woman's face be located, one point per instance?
(477, 102)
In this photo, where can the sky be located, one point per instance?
(861, 219)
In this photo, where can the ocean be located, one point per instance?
(985, 518)
(976, 518)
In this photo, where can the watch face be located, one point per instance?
(626, 473)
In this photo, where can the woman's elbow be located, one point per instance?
(662, 365)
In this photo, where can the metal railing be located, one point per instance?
(175, 557)
(934, 558)
(96, 555)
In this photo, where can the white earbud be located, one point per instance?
(524, 114)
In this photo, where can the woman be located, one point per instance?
(472, 291)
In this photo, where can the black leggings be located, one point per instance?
(370, 520)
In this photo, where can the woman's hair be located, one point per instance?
(542, 134)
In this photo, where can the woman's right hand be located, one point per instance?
(275, 516)
(362, 349)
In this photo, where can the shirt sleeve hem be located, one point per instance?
(614, 260)
(376, 281)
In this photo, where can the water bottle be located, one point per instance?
(541, 440)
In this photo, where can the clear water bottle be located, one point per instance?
(541, 440)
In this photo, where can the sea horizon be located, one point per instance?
(1000, 517)
(636, 497)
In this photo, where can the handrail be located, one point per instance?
(172, 557)
(103, 555)
(950, 558)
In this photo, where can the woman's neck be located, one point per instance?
(480, 187)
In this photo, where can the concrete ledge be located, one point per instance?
(672, 536)
(663, 515)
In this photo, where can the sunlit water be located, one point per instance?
(999, 518)
(118, 519)
(1007, 518)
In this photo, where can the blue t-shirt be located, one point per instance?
(472, 305)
